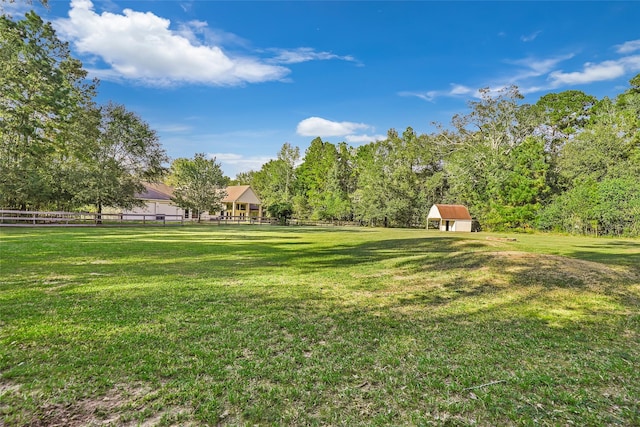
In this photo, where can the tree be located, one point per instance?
(243, 178)
(314, 176)
(43, 98)
(282, 211)
(479, 151)
(608, 207)
(565, 113)
(369, 198)
(43, 2)
(608, 147)
(199, 184)
(563, 116)
(124, 153)
(521, 188)
(275, 181)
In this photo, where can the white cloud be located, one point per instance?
(141, 46)
(233, 163)
(628, 47)
(305, 54)
(317, 126)
(14, 8)
(538, 75)
(530, 37)
(427, 96)
(537, 67)
(606, 70)
(460, 90)
(172, 128)
(364, 139)
(455, 91)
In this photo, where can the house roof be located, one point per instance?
(156, 191)
(164, 192)
(453, 212)
(241, 193)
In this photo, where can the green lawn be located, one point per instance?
(316, 326)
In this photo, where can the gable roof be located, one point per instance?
(241, 193)
(164, 192)
(453, 212)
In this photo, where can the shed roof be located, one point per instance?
(453, 212)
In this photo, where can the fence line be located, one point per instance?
(61, 218)
(31, 218)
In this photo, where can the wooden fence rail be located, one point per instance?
(50, 218)
(17, 218)
(59, 218)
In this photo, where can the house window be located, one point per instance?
(186, 214)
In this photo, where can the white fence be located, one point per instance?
(17, 218)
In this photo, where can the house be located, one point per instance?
(450, 217)
(240, 202)
(157, 201)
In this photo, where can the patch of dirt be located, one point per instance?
(559, 268)
(118, 407)
(8, 388)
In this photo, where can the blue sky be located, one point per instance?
(238, 79)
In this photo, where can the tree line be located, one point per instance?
(570, 162)
(58, 148)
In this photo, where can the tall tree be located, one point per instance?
(125, 153)
(562, 116)
(480, 148)
(314, 175)
(607, 148)
(199, 184)
(275, 181)
(521, 187)
(43, 95)
(372, 189)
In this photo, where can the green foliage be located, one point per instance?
(276, 180)
(57, 149)
(609, 207)
(487, 154)
(567, 162)
(282, 211)
(122, 153)
(324, 179)
(567, 112)
(199, 184)
(43, 95)
(516, 166)
(520, 188)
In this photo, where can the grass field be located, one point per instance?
(310, 326)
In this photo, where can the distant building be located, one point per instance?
(450, 217)
(157, 201)
(240, 202)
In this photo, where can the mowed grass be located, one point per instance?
(316, 326)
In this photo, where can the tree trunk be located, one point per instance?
(99, 214)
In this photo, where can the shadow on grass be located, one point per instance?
(439, 313)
